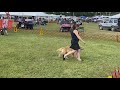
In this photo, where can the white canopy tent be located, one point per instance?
(29, 13)
(115, 16)
(53, 15)
(26, 13)
(2, 13)
(12, 13)
(37, 14)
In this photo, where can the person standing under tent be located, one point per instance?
(5, 25)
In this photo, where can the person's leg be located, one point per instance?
(27, 26)
(6, 32)
(78, 55)
(65, 55)
(32, 26)
(75, 54)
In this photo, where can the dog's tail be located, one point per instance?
(59, 50)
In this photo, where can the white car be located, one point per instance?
(111, 24)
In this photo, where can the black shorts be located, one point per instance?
(74, 45)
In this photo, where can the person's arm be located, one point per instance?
(78, 36)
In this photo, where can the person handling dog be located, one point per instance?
(5, 25)
(74, 42)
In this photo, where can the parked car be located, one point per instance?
(30, 25)
(65, 26)
(27, 24)
(111, 24)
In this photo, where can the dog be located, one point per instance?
(63, 50)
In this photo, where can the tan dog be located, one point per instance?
(64, 50)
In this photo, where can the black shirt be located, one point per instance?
(74, 37)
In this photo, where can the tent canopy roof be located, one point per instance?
(29, 14)
(116, 16)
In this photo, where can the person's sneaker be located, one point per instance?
(79, 60)
(63, 57)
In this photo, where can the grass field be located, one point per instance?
(29, 55)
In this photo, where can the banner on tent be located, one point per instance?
(9, 24)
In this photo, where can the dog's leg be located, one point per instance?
(61, 55)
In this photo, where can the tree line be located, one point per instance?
(89, 14)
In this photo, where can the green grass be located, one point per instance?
(91, 31)
(29, 55)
